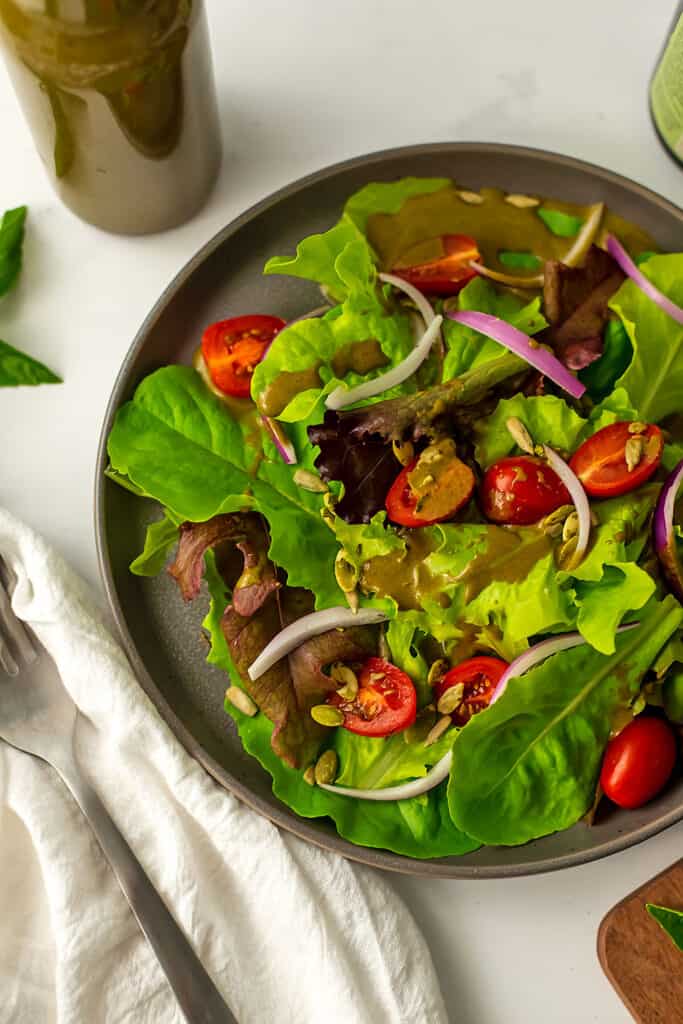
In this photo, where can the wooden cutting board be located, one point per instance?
(639, 958)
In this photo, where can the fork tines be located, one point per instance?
(16, 646)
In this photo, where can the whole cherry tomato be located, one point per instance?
(638, 762)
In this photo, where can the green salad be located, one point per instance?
(437, 517)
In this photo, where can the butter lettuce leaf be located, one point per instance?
(548, 419)
(466, 348)
(654, 378)
(179, 444)
(161, 536)
(528, 765)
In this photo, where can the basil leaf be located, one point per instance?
(11, 239)
(16, 368)
(670, 920)
(562, 224)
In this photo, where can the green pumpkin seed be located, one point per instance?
(241, 700)
(521, 202)
(472, 198)
(404, 451)
(437, 731)
(451, 699)
(634, 451)
(520, 435)
(637, 427)
(571, 526)
(326, 767)
(325, 714)
(346, 573)
(310, 481)
(437, 671)
(309, 775)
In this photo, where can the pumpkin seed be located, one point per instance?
(637, 427)
(520, 435)
(352, 600)
(347, 679)
(437, 671)
(437, 731)
(565, 555)
(404, 451)
(451, 699)
(326, 767)
(309, 775)
(473, 198)
(325, 714)
(346, 573)
(241, 700)
(310, 481)
(421, 727)
(520, 201)
(634, 451)
(571, 526)
(552, 524)
(329, 501)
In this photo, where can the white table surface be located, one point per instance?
(301, 85)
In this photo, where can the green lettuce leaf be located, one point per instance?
(670, 920)
(368, 763)
(420, 827)
(161, 536)
(528, 765)
(387, 197)
(602, 606)
(18, 369)
(654, 378)
(179, 444)
(548, 419)
(466, 348)
(562, 224)
(519, 260)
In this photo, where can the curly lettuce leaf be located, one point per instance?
(388, 197)
(528, 765)
(654, 378)
(548, 419)
(160, 537)
(179, 444)
(368, 763)
(466, 348)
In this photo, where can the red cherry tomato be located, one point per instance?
(638, 762)
(232, 349)
(452, 490)
(600, 462)
(386, 701)
(479, 677)
(521, 490)
(445, 275)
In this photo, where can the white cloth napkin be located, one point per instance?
(288, 932)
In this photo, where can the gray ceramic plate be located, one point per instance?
(161, 636)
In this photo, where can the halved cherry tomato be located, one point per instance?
(479, 677)
(600, 462)
(446, 274)
(638, 762)
(386, 701)
(232, 349)
(452, 486)
(520, 490)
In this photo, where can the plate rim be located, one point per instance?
(281, 815)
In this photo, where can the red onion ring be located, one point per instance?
(663, 531)
(619, 254)
(522, 345)
(280, 440)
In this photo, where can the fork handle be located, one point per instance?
(197, 996)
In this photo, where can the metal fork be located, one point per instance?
(38, 716)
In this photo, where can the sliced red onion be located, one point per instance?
(579, 498)
(341, 396)
(540, 652)
(664, 533)
(618, 253)
(405, 790)
(421, 301)
(522, 345)
(309, 626)
(280, 440)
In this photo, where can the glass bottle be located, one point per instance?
(120, 99)
(666, 90)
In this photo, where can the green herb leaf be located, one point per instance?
(16, 369)
(519, 260)
(562, 224)
(670, 920)
(528, 765)
(11, 240)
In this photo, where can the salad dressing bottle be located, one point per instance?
(119, 97)
(666, 90)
